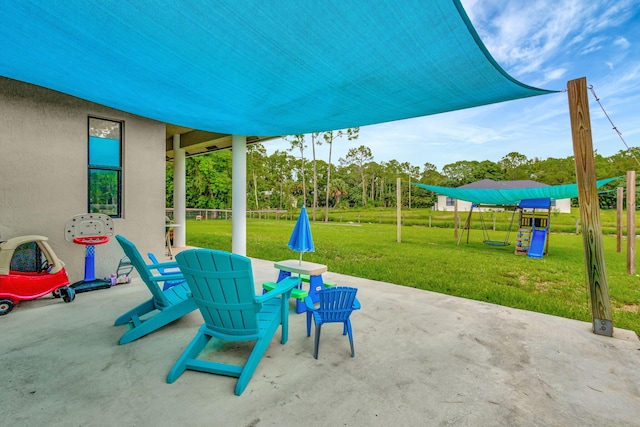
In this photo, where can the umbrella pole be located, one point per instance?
(300, 258)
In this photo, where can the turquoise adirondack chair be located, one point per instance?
(164, 306)
(223, 288)
(335, 306)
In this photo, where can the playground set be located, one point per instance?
(532, 238)
(534, 219)
(531, 200)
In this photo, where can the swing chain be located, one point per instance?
(590, 87)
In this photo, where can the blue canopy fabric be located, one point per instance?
(301, 240)
(257, 67)
(510, 196)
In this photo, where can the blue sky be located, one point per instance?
(542, 43)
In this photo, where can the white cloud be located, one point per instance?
(594, 44)
(622, 43)
(554, 74)
(524, 35)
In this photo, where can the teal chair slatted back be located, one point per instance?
(223, 289)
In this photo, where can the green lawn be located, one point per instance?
(429, 259)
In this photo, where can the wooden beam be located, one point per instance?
(619, 208)
(589, 206)
(455, 219)
(467, 226)
(631, 222)
(399, 208)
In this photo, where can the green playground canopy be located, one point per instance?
(510, 196)
(255, 67)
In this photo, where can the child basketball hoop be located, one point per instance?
(89, 230)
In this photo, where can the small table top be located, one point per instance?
(304, 267)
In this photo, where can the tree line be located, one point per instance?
(293, 177)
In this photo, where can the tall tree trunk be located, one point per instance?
(373, 188)
(315, 176)
(326, 209)
(364, 190)
(304, 186)
(255, 187)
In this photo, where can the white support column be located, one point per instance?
(239, 195)
(179, 194)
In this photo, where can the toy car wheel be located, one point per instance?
(68, 294)
(5, 306)
(56, 293)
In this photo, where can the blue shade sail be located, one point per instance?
(104, 151)
(257, 67)
(301, 240)
(510, 196)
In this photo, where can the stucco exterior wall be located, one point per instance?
(43, 173)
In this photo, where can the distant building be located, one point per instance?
(445, 203)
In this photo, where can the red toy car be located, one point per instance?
(30, 269)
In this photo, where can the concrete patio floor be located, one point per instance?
(422, 359)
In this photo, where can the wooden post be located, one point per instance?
(631, 222)
(619, 208)
(589, 206)
(399, 209)
(467, 226)
(455, 218)
(577, 226)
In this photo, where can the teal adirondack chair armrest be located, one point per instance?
(283, 287)
(159, 265)
(356, 304)
(166, 268)
(167, 278)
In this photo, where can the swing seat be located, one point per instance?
(496, 243)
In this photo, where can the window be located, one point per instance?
(105, 167)
(27, 258)
(450, 201)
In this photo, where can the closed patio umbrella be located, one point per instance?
(301, 240)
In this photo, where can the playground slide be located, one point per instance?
(538, 239)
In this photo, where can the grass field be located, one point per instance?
(560, 223)
(428, 258)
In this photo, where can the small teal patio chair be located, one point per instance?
(223, 289)
(171, 269)
(335, 305)
(164, 307)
